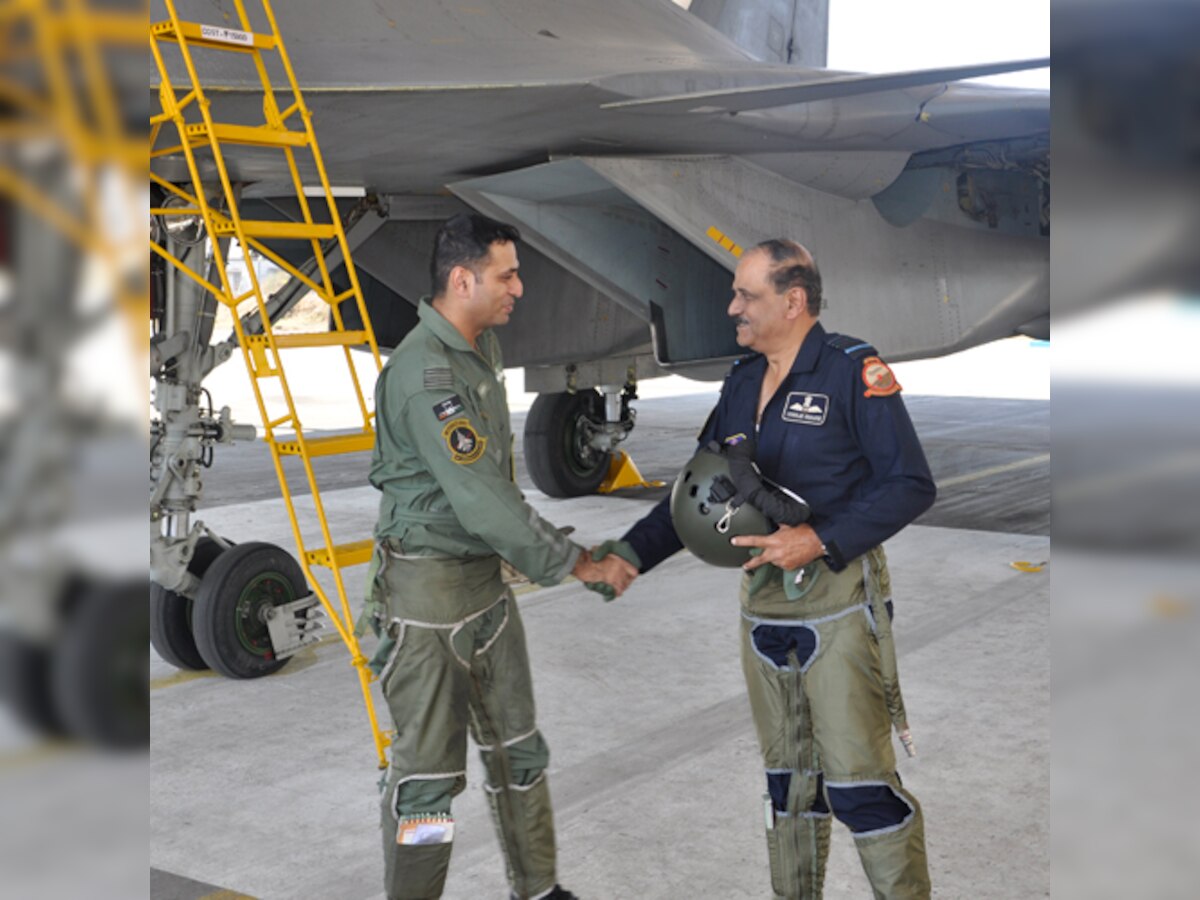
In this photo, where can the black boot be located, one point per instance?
(559, 893)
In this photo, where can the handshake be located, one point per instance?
(608, 569)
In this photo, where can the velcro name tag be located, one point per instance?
(451, 406)
(803, 408)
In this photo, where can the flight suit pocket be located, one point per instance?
(777, 855)
(375, 597)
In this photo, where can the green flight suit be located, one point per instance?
(450, 510)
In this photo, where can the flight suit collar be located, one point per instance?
(441, 327)
(810, 350)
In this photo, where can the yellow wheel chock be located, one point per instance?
(622, 473)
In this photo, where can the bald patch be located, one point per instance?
(792, 266)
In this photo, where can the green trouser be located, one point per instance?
(824, 695)
(459, 662)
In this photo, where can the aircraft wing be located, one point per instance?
(637, 148)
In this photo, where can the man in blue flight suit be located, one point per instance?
(823, 416)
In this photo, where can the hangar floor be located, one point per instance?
(267, 788)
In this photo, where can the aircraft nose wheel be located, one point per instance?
(90, 681)
(558, 452)
(100, 677)
(171, 613)
(254, 606)
(234, 604)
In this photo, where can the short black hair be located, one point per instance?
(465, 240)
(794, 267)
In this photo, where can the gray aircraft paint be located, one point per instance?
(497, 103)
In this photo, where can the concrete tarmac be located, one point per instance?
(267, 788)
(989, 456)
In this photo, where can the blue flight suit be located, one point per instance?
(857, 462)
(817, 652)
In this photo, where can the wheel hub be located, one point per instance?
(254, 608)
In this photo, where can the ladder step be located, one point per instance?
(332, 445)
(266, 229)
(344, 554)
(321, 339)
(249, 135)
(214, 37)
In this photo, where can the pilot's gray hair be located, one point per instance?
(793, 266)
(465, 240)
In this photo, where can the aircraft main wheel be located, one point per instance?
(171, 613)
(557, 453)
(25, 681)
(229, 614)
(101, 681)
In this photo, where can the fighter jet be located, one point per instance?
(639, 147)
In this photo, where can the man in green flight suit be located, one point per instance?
(450, 511)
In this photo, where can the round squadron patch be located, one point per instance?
(465, 443)
(879, 378)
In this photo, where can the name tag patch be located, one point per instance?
(803, 408)
(444, 409)
(465, 443)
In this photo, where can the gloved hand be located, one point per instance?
(622, 549)
(603, 588)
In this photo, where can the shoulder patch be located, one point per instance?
(879, 378)
(438, 378)
(465, 443)
(451, 406)
(851, 346)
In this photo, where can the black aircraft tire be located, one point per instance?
(230, 632)
(101, 679)
(171, 614)
(25, 682)
(558, 463)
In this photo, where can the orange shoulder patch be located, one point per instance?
(879, 378)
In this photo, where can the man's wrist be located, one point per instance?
(832, 554)
(621, 548)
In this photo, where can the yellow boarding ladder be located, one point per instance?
(190, 113)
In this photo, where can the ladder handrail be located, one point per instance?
(261, 352)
